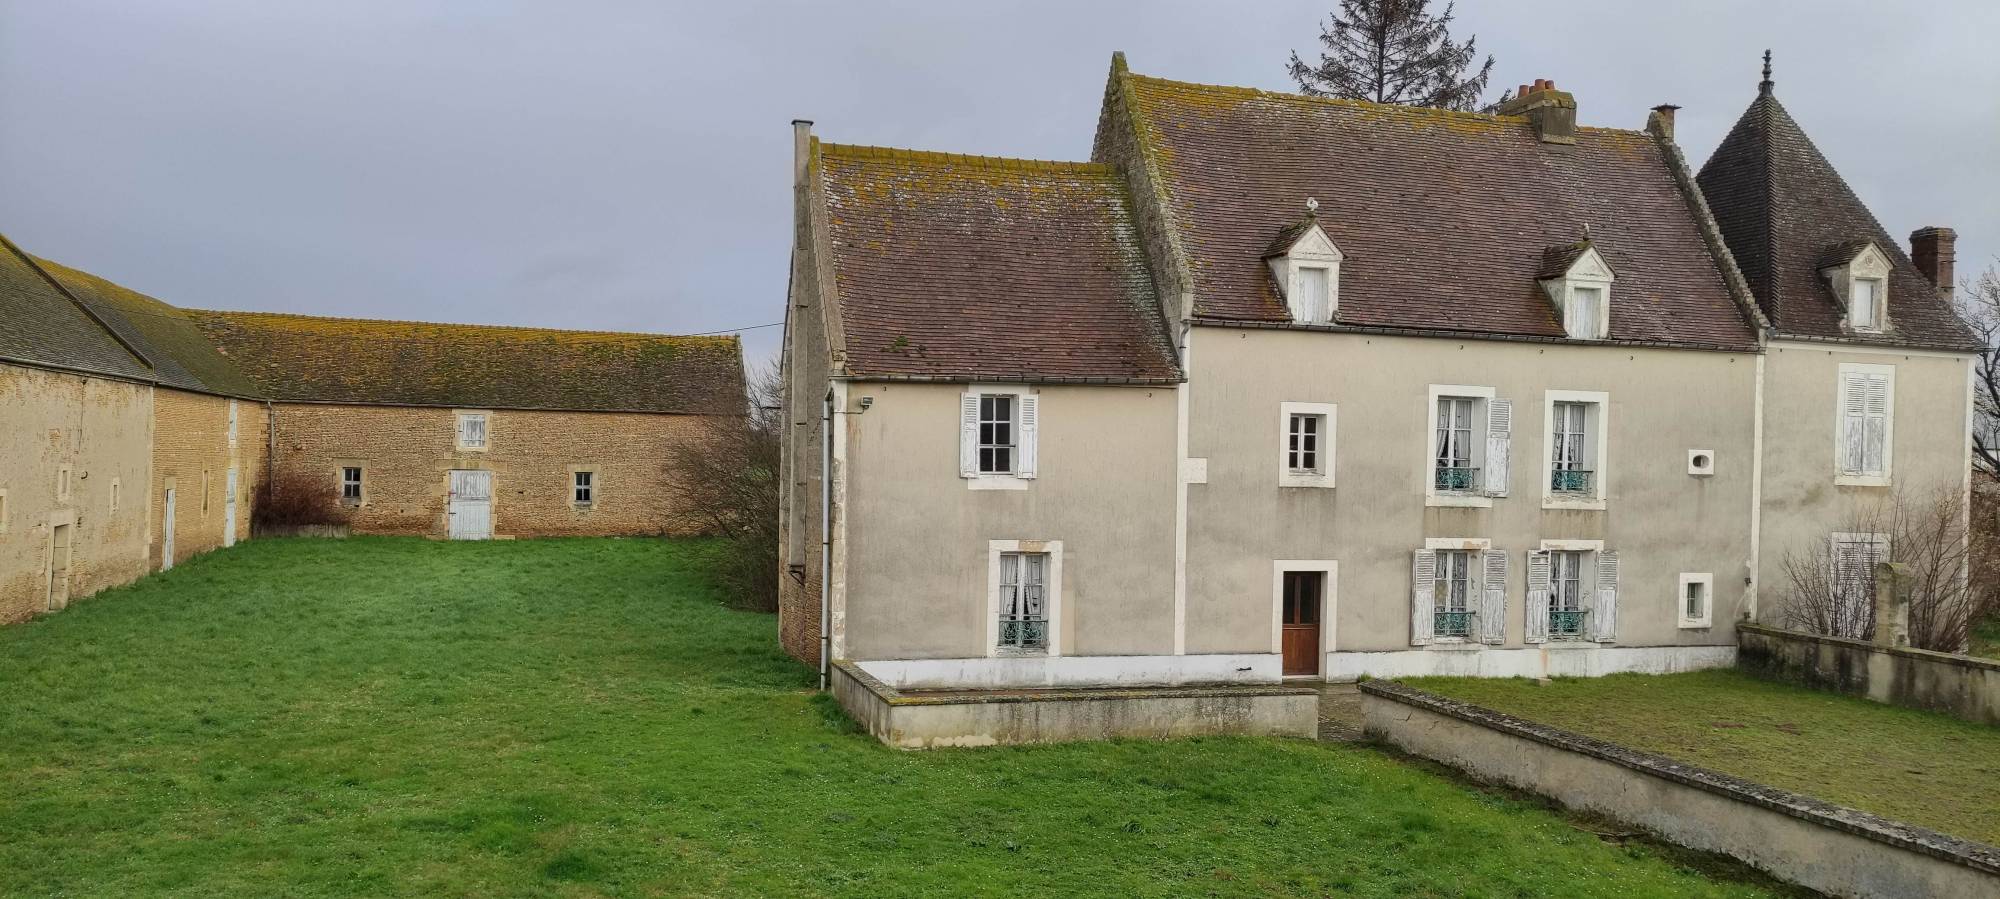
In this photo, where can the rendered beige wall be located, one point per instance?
(99, 428)
(191, 448)
(1802, 504)
(407, 453)
(917, 537)
(1661, 520)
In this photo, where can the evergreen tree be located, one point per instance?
(1394, 51)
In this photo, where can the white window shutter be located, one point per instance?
(1499, 438)
(1423, 598)
(968, 435)
(1853, 423)
(1030, 428)
(1493, 599)
(1537, 617)
(1604, 625)
(1876, 411)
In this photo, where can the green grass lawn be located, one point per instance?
(1986, 638)
(1919, 767)
(381, 717)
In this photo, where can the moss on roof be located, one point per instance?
(181, 356)
(347, 360)
(41, 324)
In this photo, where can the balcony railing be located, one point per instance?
(1457, 480)
(1566, 624)
(1573, 481)
(1452, 624)
(1024, 633)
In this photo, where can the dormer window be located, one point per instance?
(1306, 266)
(1858, 274)
(1578, 281)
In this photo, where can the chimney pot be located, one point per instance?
(1935, 252)
(1664, 114)
(1550, 111)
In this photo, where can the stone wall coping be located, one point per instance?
(1977, 856)
(899, 697)
(1908, 652)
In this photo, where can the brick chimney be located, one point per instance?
(1935, 250)
(1552, 112)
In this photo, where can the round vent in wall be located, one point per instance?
(1701, 463)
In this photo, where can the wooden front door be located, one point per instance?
(1304, 592)
(471, 505)
(167, 534)
(229, 509)
(61, 554)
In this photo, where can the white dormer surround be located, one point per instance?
(1582, 295)
(1861, 283)
(1308, 273)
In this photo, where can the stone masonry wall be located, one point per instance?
(97, 429)
(192, 455)
(407, 453)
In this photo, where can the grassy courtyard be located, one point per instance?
(1919, 767)
(382, 717)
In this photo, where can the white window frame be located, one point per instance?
(360, 484)
(63, 473)
(1872, 265)
(1482, 397)
(1313, 250)
(1329, 571)
(1322, 475)
(1588, 272)
(1597, 421)
(1026, 440)
(485, 430)
(1840, 476)
(1587, 582)
(1707, 616)
(232, 424)
(1054, 549)
(593, 487)
(1475, 583)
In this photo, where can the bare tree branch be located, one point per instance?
(1394, 51)
(726, 484)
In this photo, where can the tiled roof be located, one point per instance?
(1442, 216)
(1556, 261)
(40, 324)
(972, 267)
(171, 340)
(340, 360)
(1782, 209)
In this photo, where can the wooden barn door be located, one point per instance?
(61, 554)
(471, 505)
(167, 534)
(229, 509)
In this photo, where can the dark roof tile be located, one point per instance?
(41, 324)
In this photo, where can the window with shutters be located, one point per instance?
(472, 431)
(1864, 436)
(1574, 473)
(1460, 593)
(1024, 597)
(997, 437)
(1306, 444)
(1467, 441)
(1572, 592)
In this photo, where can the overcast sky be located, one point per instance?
(625, 166)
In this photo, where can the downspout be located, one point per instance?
(826, 540)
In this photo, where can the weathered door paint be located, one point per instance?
(470, 506)
(61, 553)
(229, 510)
(1304, 591)
(167, 534)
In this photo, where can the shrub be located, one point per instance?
(727, 485)
(294, 498)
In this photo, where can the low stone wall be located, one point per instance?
(1835, 850)
(1956, 685)
(918, 719)
(335, 531)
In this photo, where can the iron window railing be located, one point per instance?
(1023, 634)
(1453, 624)
(1572, 480)
(1566, 624)
(1457, 480)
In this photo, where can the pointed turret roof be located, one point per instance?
(1782, 209)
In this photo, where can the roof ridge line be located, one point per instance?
(80, 305)
(1424, 111)
(229, 313)
(867, 151)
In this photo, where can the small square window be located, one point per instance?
(350, 485)
(472, 430)
(583, 487)
(1306, 444)
(997, 440)
(1696, 600)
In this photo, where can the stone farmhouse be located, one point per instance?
(133, 433)
(1280, 387)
